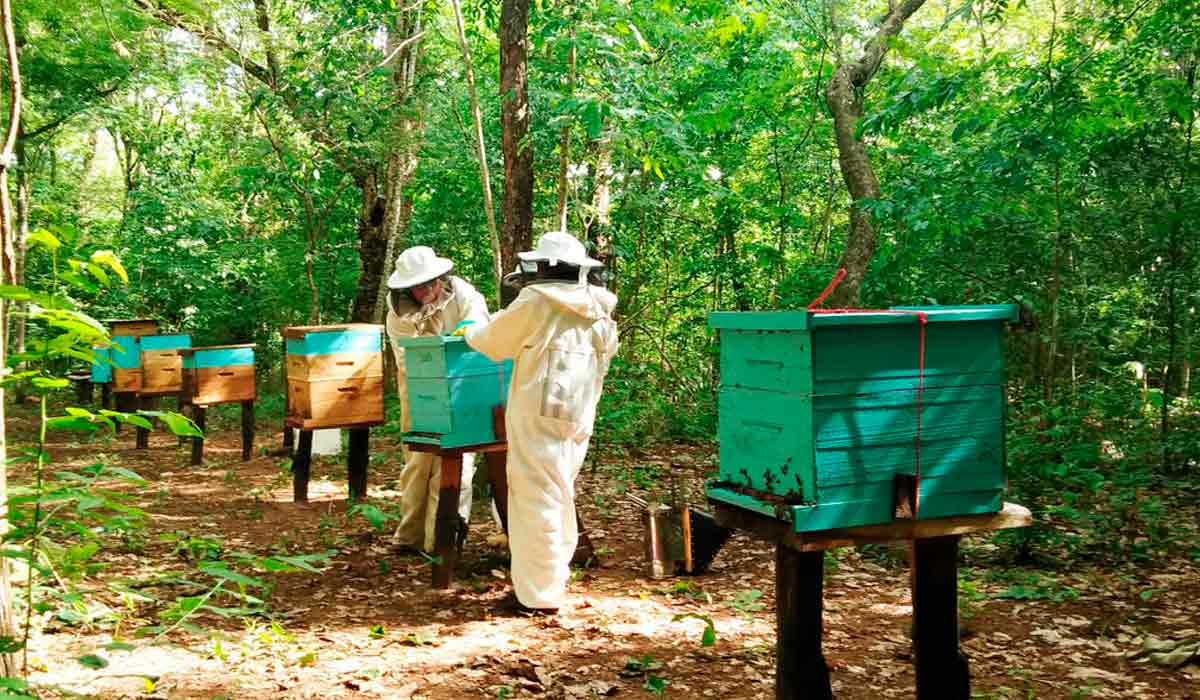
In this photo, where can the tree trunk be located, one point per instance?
(598, 232)
(845, 94)
(384, 240)
(516, 232)
(8, 662)
(564, 141)
(485, 179)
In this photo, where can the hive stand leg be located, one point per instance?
(83, 392)
(143, 435)
(301, 462)
(247, 430)
(942, 671)
(289, 439)
(497, 466)
(356, 462)
(800, 670)
(445, 537)
(198, 415)
(125, 403)
(106, 395)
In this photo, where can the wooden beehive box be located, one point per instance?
(162, 365)
(218, 374)
(135, 327)
(818, 413)
(334, 375)
(453, 392)
(126, 353)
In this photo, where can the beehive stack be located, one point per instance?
(126, 353)
(218, 374)
(456, 396)
(162, 365)
(334, 375)
(819, 413)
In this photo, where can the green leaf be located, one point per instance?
(377, 632)
(42, 237)
(119, 646)
(71, 423)
(221, 571)
(15, 293)
(50, 383)
(93, 661)
(110, 260)
(99, 273)
(177, 423)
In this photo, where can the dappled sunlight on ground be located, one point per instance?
(369, 625)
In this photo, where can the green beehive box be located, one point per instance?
(453, 391)
(818, 412)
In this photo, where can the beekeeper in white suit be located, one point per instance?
(560, 334)
(425, 299)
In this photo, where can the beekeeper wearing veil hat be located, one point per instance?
(560, 335)
(425, 299)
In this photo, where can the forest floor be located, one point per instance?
(369, 625)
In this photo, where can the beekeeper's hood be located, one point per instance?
(418, 265)
(586, 301)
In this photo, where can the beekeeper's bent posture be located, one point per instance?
(560, 334)
(424, 299)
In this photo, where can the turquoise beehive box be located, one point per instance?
(453, 391)
(818, 412)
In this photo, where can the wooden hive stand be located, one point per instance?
(218, 374)
(456, 401)
(334, 380)
(800, 670)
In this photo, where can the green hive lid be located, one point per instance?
(429, 341)
(801, 320)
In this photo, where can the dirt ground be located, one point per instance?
(369, 626)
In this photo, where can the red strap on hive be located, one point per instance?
(922, 319)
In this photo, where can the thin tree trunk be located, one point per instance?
(485, 179)
(8, 663)
(598, 229)
(564, 141)
(845, 94)
(517, 201)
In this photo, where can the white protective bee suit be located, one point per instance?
(420, 479)
(561, 337)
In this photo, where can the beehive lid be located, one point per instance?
(909, 314)
(429, 341)
(166, 342)
(324, 340)
(218, 356)
(300, 332)
(802, 320)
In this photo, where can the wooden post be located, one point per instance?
(126, 403)
(357, 457)
(497, 466)
(198, 415)
(143, 435)
(83, 391)
(301, 462)
(247, 430)
(106, 395)
(289, 435)
(445, 546)
(800, 670)
(942, 670)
